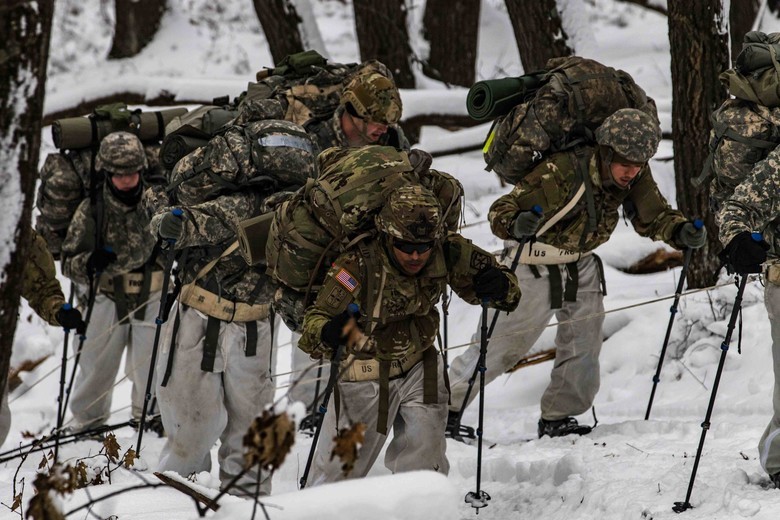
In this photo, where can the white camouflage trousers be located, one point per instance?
(575, 376)
(769, 445)
(101, 356)
(418, 429)
(200, 407)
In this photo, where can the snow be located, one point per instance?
(626, 469)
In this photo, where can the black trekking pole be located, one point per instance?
(479, 498)
(679, 507)
(158, 321)
(335, 363)
(445, 310)
(63, 374)
(468, 431)
(698, 224)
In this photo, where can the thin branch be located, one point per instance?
(647, 4)
(111, 495)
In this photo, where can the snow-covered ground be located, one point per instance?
(626, 469)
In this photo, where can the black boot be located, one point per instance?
(309, 424)
(775, 480)
(561, 427)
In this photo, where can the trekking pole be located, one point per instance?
(82, 337)
(445, 310)
(467, 431)
(63, 374)
(479, 498)
(679, 507)
(335, 361)
(158, 321)
(698, 224)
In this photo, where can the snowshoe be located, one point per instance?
(455, 430)
(153, 423)
(309, 424)
(561, 427)
(775, 480)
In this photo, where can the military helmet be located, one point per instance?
(373, 96)
(121, 153)
(632, 135)
(411, 213)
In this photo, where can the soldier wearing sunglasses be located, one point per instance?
(391, 376)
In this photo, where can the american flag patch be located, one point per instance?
(346, 279)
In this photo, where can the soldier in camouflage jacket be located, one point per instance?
(108, 250)
(754, 207)
(392, 376)
(580, 193)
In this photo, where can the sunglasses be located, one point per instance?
(411, 247)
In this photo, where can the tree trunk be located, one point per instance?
(451, 59)
(137, 22)
(310, 31)
(25, 29)
(281, 25)
(538, 31)
(382, 35)
(742, 14)
(699, 46)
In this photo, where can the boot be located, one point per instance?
(455, 430)
(775, 480)
(561, 427)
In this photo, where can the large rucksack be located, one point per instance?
(335, 211)
(560, 110)
(744, 129)
(68, 177)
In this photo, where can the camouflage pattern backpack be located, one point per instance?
(336, 211)
(744, 129)
(68, 177)
(572, 98)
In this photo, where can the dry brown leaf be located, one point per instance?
(129, 458)
(347, 444)
(268, 440)
(42, 464)
(112, 447)
(17, 502)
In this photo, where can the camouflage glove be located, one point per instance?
(691, 236)
(100, 259)
(491, 284)
(745, 253)
(171, 225)
(70, 318)
(336, 331)
(525, 225)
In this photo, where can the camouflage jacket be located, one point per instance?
(39, 283)
(124, 228)
(328, 134)
(405, 318)
(754, 205)
(553, 183)
(65, 184)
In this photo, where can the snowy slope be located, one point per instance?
(627, 468)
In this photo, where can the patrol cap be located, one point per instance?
(632, 135)
(121, 153)
(412, 214)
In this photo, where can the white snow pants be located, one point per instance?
(575, 376)
(101, 356)
(200, 407)
(305, 381)
(418, 429)
(769, 445)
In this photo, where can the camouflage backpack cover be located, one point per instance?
(746, 128)
(567, 103)
(68, 177)
(335, 211)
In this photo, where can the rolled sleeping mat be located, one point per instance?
(176, 146)
(253, 236)
(495, 97)
(72, 133)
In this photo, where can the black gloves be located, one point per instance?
(333, 333)
(491, 283)
(70, 318)
(172, 225)
(745, 253)
(690, 235)
(100, 259)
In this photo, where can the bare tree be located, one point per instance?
(25, 29)
(699, 44)
(538, 31)
(137, 22)
(742, 14)
(382, 35)
(281, 25)
(452, 28)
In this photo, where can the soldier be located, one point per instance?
(392, 376)
(559, 274)
(214, 366)
(754, 207)
(42, 291)
(113, 259)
